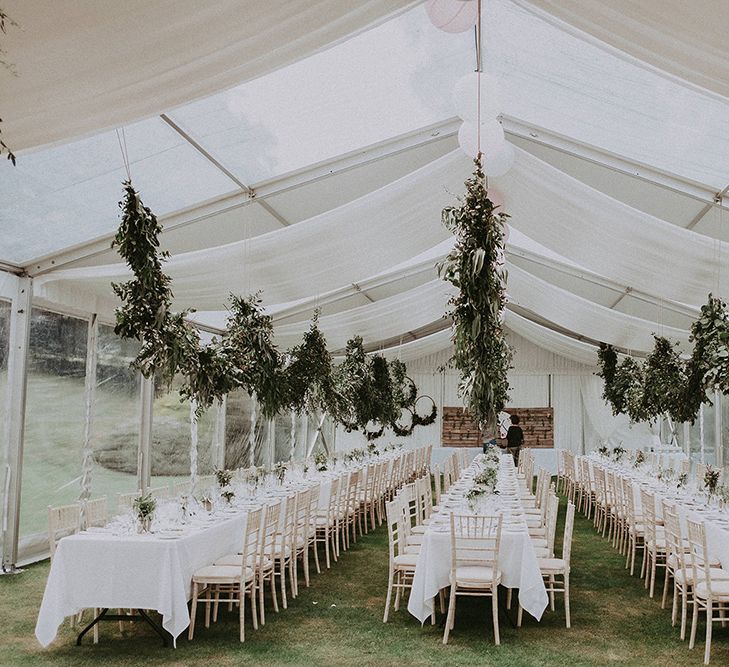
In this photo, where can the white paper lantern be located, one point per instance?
(498, 162)
(491, 138)
(466, 94)
(452, 15)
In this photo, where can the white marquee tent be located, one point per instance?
(315, 170)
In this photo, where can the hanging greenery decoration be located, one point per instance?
(309, 373)
(666, 384)
(361, 392)
(167, 342)
(664, 379)
(475, 267)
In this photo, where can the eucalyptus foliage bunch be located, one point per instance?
(664, 379)
(711, 479)
(309, 373)
(321, 461)
(145, 506)
(475, 267)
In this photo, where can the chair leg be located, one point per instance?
(665, 587)
(254, 610)
(567, 600)
(208, 605)
(398, 589)
(274, 595)
(551, 592)
(694, 621)
(282, 578)
(495, 615)
(451, 615)
(242, 614)
(388, 599)
(193, 611)
(709, 624)
(261, 606)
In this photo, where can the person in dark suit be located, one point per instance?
(514, 438)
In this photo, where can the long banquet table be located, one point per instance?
(105, 568)
(689, 502)
(517, 558)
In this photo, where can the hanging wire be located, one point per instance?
(479, 70)
(121, 137)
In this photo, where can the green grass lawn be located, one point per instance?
(338, 621)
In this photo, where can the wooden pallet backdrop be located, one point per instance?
(458, 429)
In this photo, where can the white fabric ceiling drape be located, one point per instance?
(89, 65)
(347, 244)
(685, 39)
(585, 317)
(555, 342)
(609, 237)
(381, 320)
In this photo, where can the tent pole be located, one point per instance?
(718, 444)
(144, 462)
(219, 433)
(87, 456)
(15, 420)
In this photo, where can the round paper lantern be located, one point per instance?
(491, 138)
(452, 15)
(466, 94)
(498, 162)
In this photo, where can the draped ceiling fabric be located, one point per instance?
(94, 64)
(684, 39)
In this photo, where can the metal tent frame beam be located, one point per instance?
(245, 195)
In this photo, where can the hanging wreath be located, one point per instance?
(430, 417)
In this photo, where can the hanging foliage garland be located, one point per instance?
(664, 378)
(475, 267)
(309, 380)
(361, 392)
(665, 384)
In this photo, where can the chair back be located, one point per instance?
(333, 504)
(313, 507)
(95, 512)
(629, 500)
(475, 541)
(125, 501)
(396, 532)
(674, 537)
(63, 520)
(302, 518)
(648, 503)
(269, 530)
(551, 520)
(569, 526)
(353, 492)
(251, 538)
(700, 561)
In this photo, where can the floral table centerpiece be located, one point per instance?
(639, 459)
(224, 478)
(321, 462)
(711, 480)
(144, 508)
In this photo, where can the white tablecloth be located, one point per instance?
(134, 571)
(517, 562)
(517, 559)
